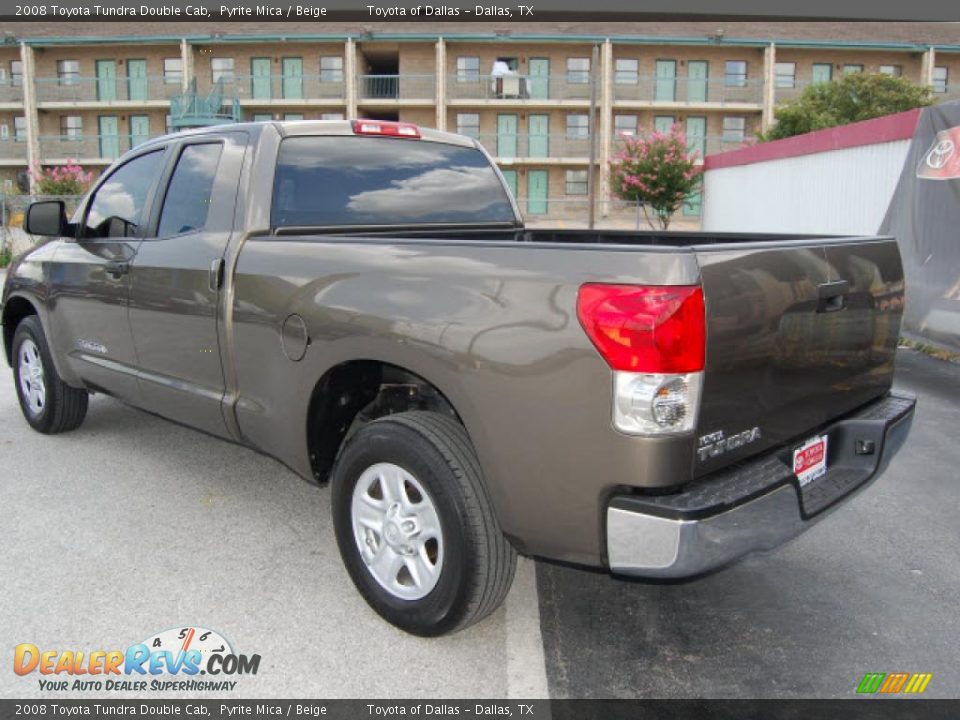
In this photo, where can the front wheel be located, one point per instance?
(415, 528)
(48, 404)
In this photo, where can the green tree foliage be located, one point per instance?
(854, 97)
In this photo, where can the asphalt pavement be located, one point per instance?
(132, 525)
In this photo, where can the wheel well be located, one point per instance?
(15, 310)
(354, 393)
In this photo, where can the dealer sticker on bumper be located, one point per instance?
(810, 460)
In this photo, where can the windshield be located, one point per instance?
(345, 180)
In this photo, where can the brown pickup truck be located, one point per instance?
(361, 301)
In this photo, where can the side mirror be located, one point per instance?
(48, 217)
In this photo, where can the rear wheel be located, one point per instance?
(415, 528)
(48, 404)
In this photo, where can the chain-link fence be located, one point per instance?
(13, 210)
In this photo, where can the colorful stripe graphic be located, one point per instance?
(894, 683)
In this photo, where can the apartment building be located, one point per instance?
(524, 92)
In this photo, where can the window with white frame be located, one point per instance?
(468, 68)
(20, 128)
(735, 73)
(891, 70)
(624, 125)
(331, 68)
(468, 124)
(172, 71)
(578, 70)
(16, 73)
(578, 126)
(940, 79)
(221, 69)
(785, 74)
(68, 72)
(852, 68)
(734, 128)
(627, 71)
(71, 126)
(331, 116)
(576, 182)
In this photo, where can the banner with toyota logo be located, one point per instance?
(924, 216)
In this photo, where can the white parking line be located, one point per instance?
(526, 668)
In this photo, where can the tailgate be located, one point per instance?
(798, 333)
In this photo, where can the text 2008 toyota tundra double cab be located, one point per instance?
(360, 300)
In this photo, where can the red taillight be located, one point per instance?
(643, 328)
(387, 128)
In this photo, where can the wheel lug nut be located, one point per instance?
(408, 526)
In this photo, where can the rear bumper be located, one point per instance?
(757, 505)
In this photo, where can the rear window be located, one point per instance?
(344, 180)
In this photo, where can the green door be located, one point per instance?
(822, 72)
(106, 80)
(506, 136)
(137, 79)
(511, 177)
(663, 123)
(697, 135)
(536, 192)
(697, 73)
(293, 78)
(538, 127)
(109, 131)
(260, 78)
(139, 129)
(665, 84)
(538, 85)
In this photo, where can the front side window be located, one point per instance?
(576, 182)
(940, 80)
(68, 72)
(627, 71)
(187, 204)
(331, 68)
(71, 126)
(468, 124)
(221, 69)
(116, 209)
(357, 181)
(468, 68)
(786, 74)
(578, 71)
(734, 128)
(735, 73)
(578, 126)
(172, 71)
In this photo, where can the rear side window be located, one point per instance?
(187, 203)
(344, 180)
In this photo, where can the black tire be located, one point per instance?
(478, 562)
(64, 407)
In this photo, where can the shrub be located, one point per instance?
(69, 179)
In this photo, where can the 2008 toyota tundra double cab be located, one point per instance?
(360, 300)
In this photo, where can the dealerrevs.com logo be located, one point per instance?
(171, 660)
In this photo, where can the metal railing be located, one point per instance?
(106, 90)
(690, 91)
(13, 149)
(952, 93)
(283, 87)
(11, 92)
(517, 87)
(506, 146)
(96, 147)
(396, 87)
(704, 145)
(611, 213)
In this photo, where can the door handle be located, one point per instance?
(117, 268)
(216, 275)
(832, 297)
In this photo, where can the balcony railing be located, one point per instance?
(518, 87)
(10, 92)
(396, 87)
(704, 145)
(104, 147)
(526, 146)
(13, 149)
(690, 91)
(291, 88)
(952, 93)
(105, 90)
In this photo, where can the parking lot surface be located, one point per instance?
(132, 525)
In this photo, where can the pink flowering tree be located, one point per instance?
(69, 179)
(658, 173)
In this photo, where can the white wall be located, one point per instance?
(840, 191)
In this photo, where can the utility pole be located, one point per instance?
(592, 129)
